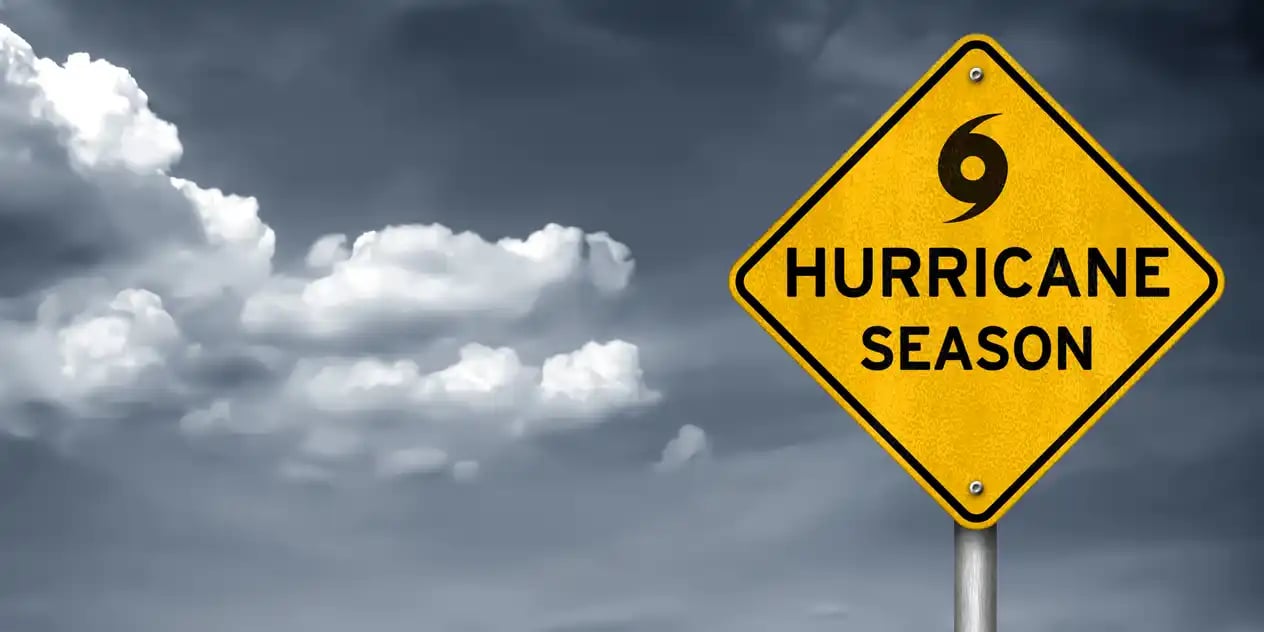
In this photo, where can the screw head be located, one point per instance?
(976, 74)
(976, 488)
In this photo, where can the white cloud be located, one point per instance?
(212, 418)
(594, 378)
(482, 375)
(609, 262)
(421, 271)
(84, 153)
(231, 221)
(166, 312)
(689, 444)
(327, 251)
(482, 378)
(590, 383)
(411, 420)
(133, 335)
(103, 112)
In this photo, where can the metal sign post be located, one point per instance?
(974, 604)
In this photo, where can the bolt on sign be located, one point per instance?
(976, 281)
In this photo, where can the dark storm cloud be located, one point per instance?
(55, 224)
(642, 118)
(230, 74)
(1189, 39)
(539, 109)
(590, 112)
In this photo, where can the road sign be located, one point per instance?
(976, 281)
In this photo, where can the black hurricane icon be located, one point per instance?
(982, 192)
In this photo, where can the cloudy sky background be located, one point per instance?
(412, 315)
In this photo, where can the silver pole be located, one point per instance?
(976, 579)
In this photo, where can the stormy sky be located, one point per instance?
(412, 315)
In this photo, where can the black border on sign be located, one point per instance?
(1098, 403)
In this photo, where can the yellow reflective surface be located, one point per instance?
(1124, 283)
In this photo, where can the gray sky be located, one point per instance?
(211, 425)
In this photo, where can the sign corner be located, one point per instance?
(977, 40)
(1215, 277)
(737, 275)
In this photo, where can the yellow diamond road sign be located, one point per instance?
(976, 281)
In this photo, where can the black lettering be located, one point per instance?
(1002, 354)
(1058, 274)
(980, 272)
(866, 274)
(905, 274)
(952, 274)
(1098, 268)
(794, 271)
(1083, 351)
(1020, 348)
(953, 349)
(1012, 291)
(1145, 270)
(883, 351)
(907, 345)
